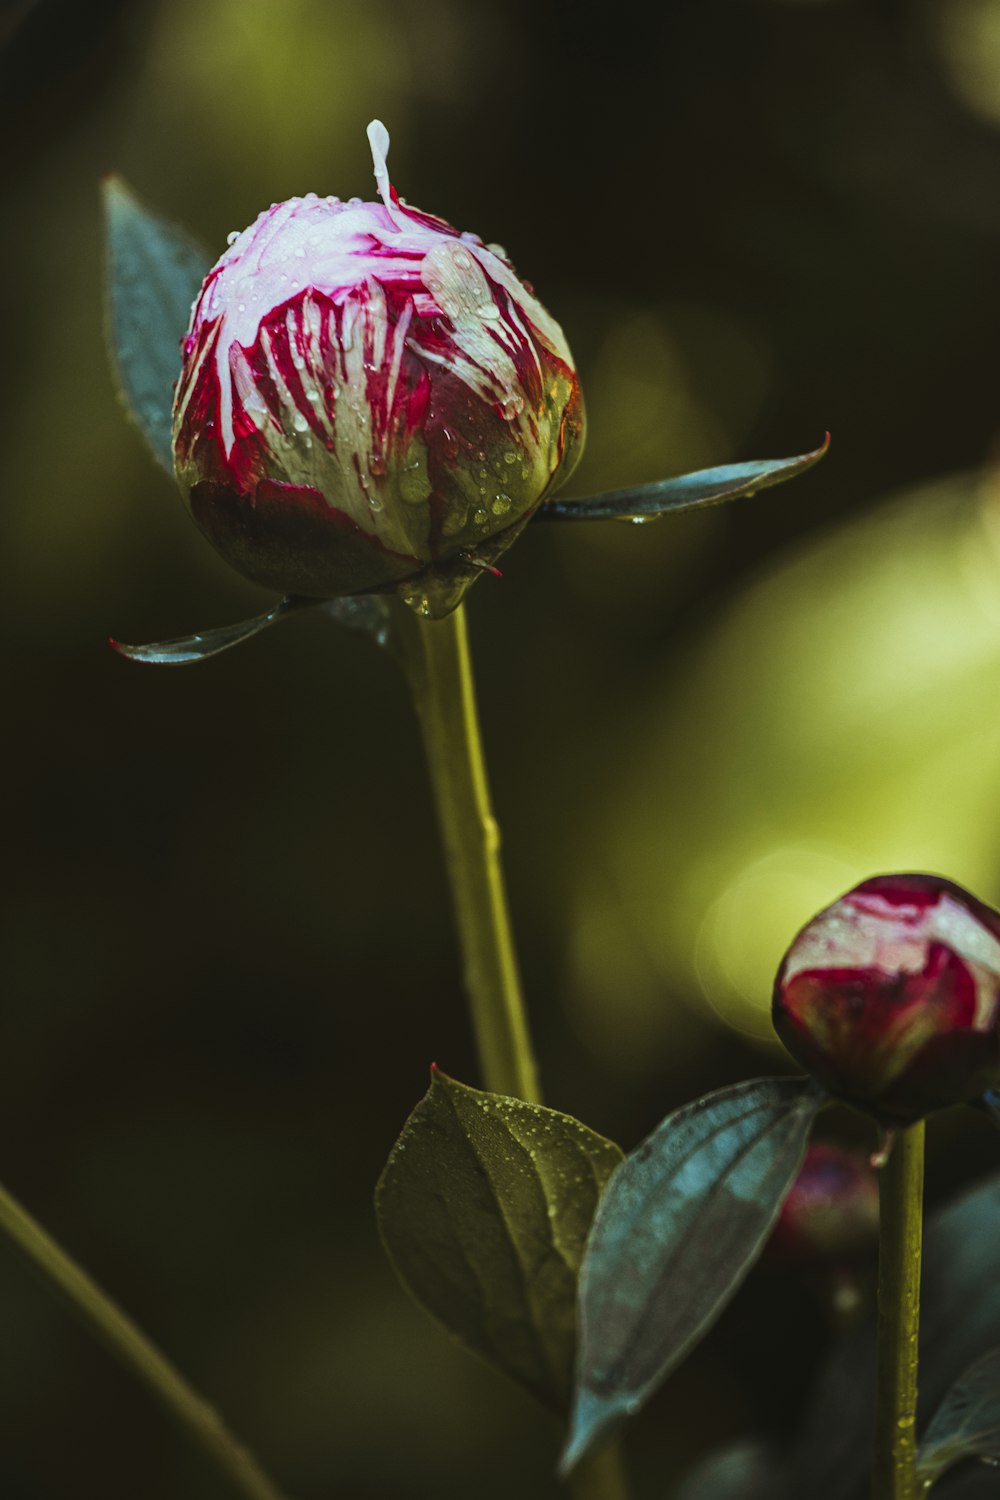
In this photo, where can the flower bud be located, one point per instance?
(831, 1214)
(891, 997)
(369, 401)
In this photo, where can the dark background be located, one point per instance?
(225, 941)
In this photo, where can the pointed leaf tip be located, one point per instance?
(184, 650)
(679, 1226)
(647, 502)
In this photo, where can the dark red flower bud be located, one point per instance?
(891, 997)
(831, 1213)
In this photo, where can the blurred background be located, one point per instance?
(226, 949)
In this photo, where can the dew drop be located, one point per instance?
(480, 516)
(299, 422)
(232, 236)
(510, 458)
(377, 464)
(501, 504)
(462, 260)
(375, 503)
(241, 307)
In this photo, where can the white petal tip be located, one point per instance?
(378, 140)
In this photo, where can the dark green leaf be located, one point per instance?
(367, 614)
(747, 1471)
(991, 1104)
(967, 1423)
(154, 271)
(484, 1208)
(682, 1221)
(646, 502)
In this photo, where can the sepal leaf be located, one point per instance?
(154, 272)
(484, 1207)
(647, 502)
(366, 614)
(680, 1225)
(966, 1424)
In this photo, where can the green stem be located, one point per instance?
(134, 1350)
(600, 1476)
(901, 1186)
(436, 658)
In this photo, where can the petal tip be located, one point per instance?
(378, 140)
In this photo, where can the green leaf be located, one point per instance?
(647, 502)
(367, 614)
(967, 1423)
(484, 1208)
(680, 1225)
(154, 272)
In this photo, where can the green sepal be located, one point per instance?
(647, 502)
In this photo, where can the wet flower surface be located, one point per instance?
(370, 400)
(891, 996)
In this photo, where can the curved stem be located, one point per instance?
(901, 1185)
(136, 1353)
(435, 655)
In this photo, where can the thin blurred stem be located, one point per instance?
(436, 658)
(135, 1352)
(901, 1187)
(600, 1476)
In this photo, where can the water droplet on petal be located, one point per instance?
(299, 422)
(232, 236)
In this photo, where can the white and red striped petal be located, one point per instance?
(369, 366)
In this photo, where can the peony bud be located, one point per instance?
(831, 1214)
(891, 997)
(369, 401)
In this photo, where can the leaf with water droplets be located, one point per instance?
(966, 1424)
(680, 1225)
(484, 1207)
(647, 502)
(154, 271)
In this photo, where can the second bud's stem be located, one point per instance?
(901, 1217)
